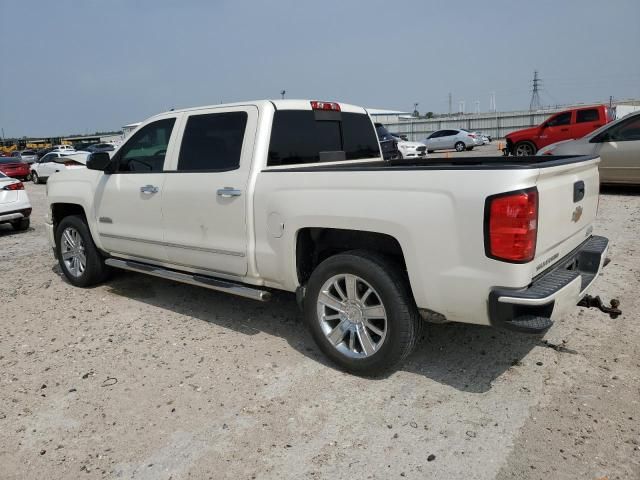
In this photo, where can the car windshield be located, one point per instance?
(28, 152)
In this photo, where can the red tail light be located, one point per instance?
(471, 135)
(316, 105)
(511, 226)
(14, 186)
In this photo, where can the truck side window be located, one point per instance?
(212, 142)
(146, 149)
(590, 115)
(298, 137)
(561, 119)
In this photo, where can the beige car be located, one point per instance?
(617, 144)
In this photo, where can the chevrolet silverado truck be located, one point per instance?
(295, 196)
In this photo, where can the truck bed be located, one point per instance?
(459, 163)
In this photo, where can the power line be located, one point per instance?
(535, 93)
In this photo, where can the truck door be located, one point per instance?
(587, 120)
(556, 129)
(205, 198)
(128, 201)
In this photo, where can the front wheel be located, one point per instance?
(524, 149)
(79, 258)
(361, 313)
(35, 178)
(460, 146)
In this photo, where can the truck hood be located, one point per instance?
(525, 133)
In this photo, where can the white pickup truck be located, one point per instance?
(293, 195)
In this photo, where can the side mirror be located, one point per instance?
(98, 161)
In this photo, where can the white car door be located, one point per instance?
(205, 199)
(433, 141)
(47, 165)
(128, 201)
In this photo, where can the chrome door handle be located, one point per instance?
(149, 189)
(228, 192)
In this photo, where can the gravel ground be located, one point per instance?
(148, 379)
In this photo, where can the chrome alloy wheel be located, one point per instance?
(352, 316)
(72, 251)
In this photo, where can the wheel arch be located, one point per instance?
(315, 244)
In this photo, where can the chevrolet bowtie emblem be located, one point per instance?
(577, 213)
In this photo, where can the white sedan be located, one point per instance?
(15, 207)
(54, 162)
(411, 149)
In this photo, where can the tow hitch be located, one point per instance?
(596, 302)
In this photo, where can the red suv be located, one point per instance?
(567, 125)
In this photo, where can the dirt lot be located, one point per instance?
(148, 379)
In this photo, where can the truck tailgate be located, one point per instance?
(568, 202)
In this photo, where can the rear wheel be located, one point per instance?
(459, 146)
(79, 259)
(22, 224)
(361, 313)
(524, 149)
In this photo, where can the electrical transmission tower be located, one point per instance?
(535, 92)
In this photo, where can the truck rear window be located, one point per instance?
(301, 136)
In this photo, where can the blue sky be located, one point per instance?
(77, 66)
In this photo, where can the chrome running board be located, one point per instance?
(211, 283)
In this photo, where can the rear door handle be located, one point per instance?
(149, 189)
(228, 192)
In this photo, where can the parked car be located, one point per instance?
(15, 168)
(449, 139)
(407, 150)
(484, 140)
(567, 125)
(101, 147)
(617, 144)
(309, 206)
(388, 142)
(54, 162)
(15, 207)
(63, 148)
(28, 156)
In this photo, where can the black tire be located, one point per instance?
(459, 146)
(469, 149)
(523, 149)
(95, 271)
(429, 151)
(35, 178)
(22, 224)
(404, 324)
